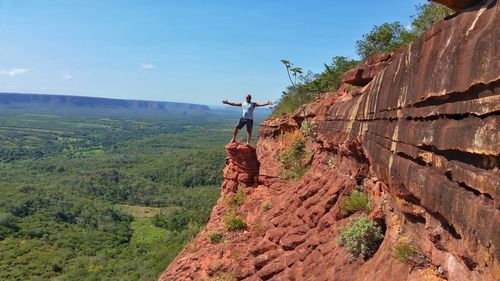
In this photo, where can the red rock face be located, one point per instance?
(421, 138)
(364, 73)
(458, 5)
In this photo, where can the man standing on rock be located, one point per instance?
(247, 119)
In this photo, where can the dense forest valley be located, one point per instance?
(105, 194)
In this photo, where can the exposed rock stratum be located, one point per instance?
(420, 136)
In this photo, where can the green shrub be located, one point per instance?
(330, 163)
(234, 222)
(308, 129)
(351, 88)
(267, 205)
(236, 199)
(361, 237)
(215, 237)
(294, 153)
(357, 201)
(291, 158)
(409, 254)
(294, 173)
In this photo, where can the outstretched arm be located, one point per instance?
(263, 104)
(231, 103)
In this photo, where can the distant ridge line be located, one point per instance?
(83, 101)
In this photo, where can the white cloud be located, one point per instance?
(147, 65)
(67, 76)
(13, 71)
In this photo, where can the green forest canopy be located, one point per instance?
(104, 196)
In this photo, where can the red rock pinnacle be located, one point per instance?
(242, 166)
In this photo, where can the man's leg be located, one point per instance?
(249, 131)
(238, 126)
(235, 134)
(249, 137)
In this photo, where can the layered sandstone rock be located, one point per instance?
(364, 73)
(421, 138)
(459, 5)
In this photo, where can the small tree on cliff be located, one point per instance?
(427, 15)
(389, 36)
(295, 72)
(305, 87)
(384, 38)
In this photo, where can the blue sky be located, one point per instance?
(186, 51)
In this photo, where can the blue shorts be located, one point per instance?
(243, 122)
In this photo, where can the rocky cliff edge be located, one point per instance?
(419, 134)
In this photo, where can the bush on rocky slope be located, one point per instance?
(357, 201)
(409, 253)
(215, 236)
(236, 199)
(361, 237)
(234, 222)
(291, 159)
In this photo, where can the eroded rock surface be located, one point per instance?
(421, 138)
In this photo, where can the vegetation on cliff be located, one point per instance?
(292, 158)
(361, 237)
(310, 85)
(409, 253)
(386, 37)
(357, 201)
(234, 221)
